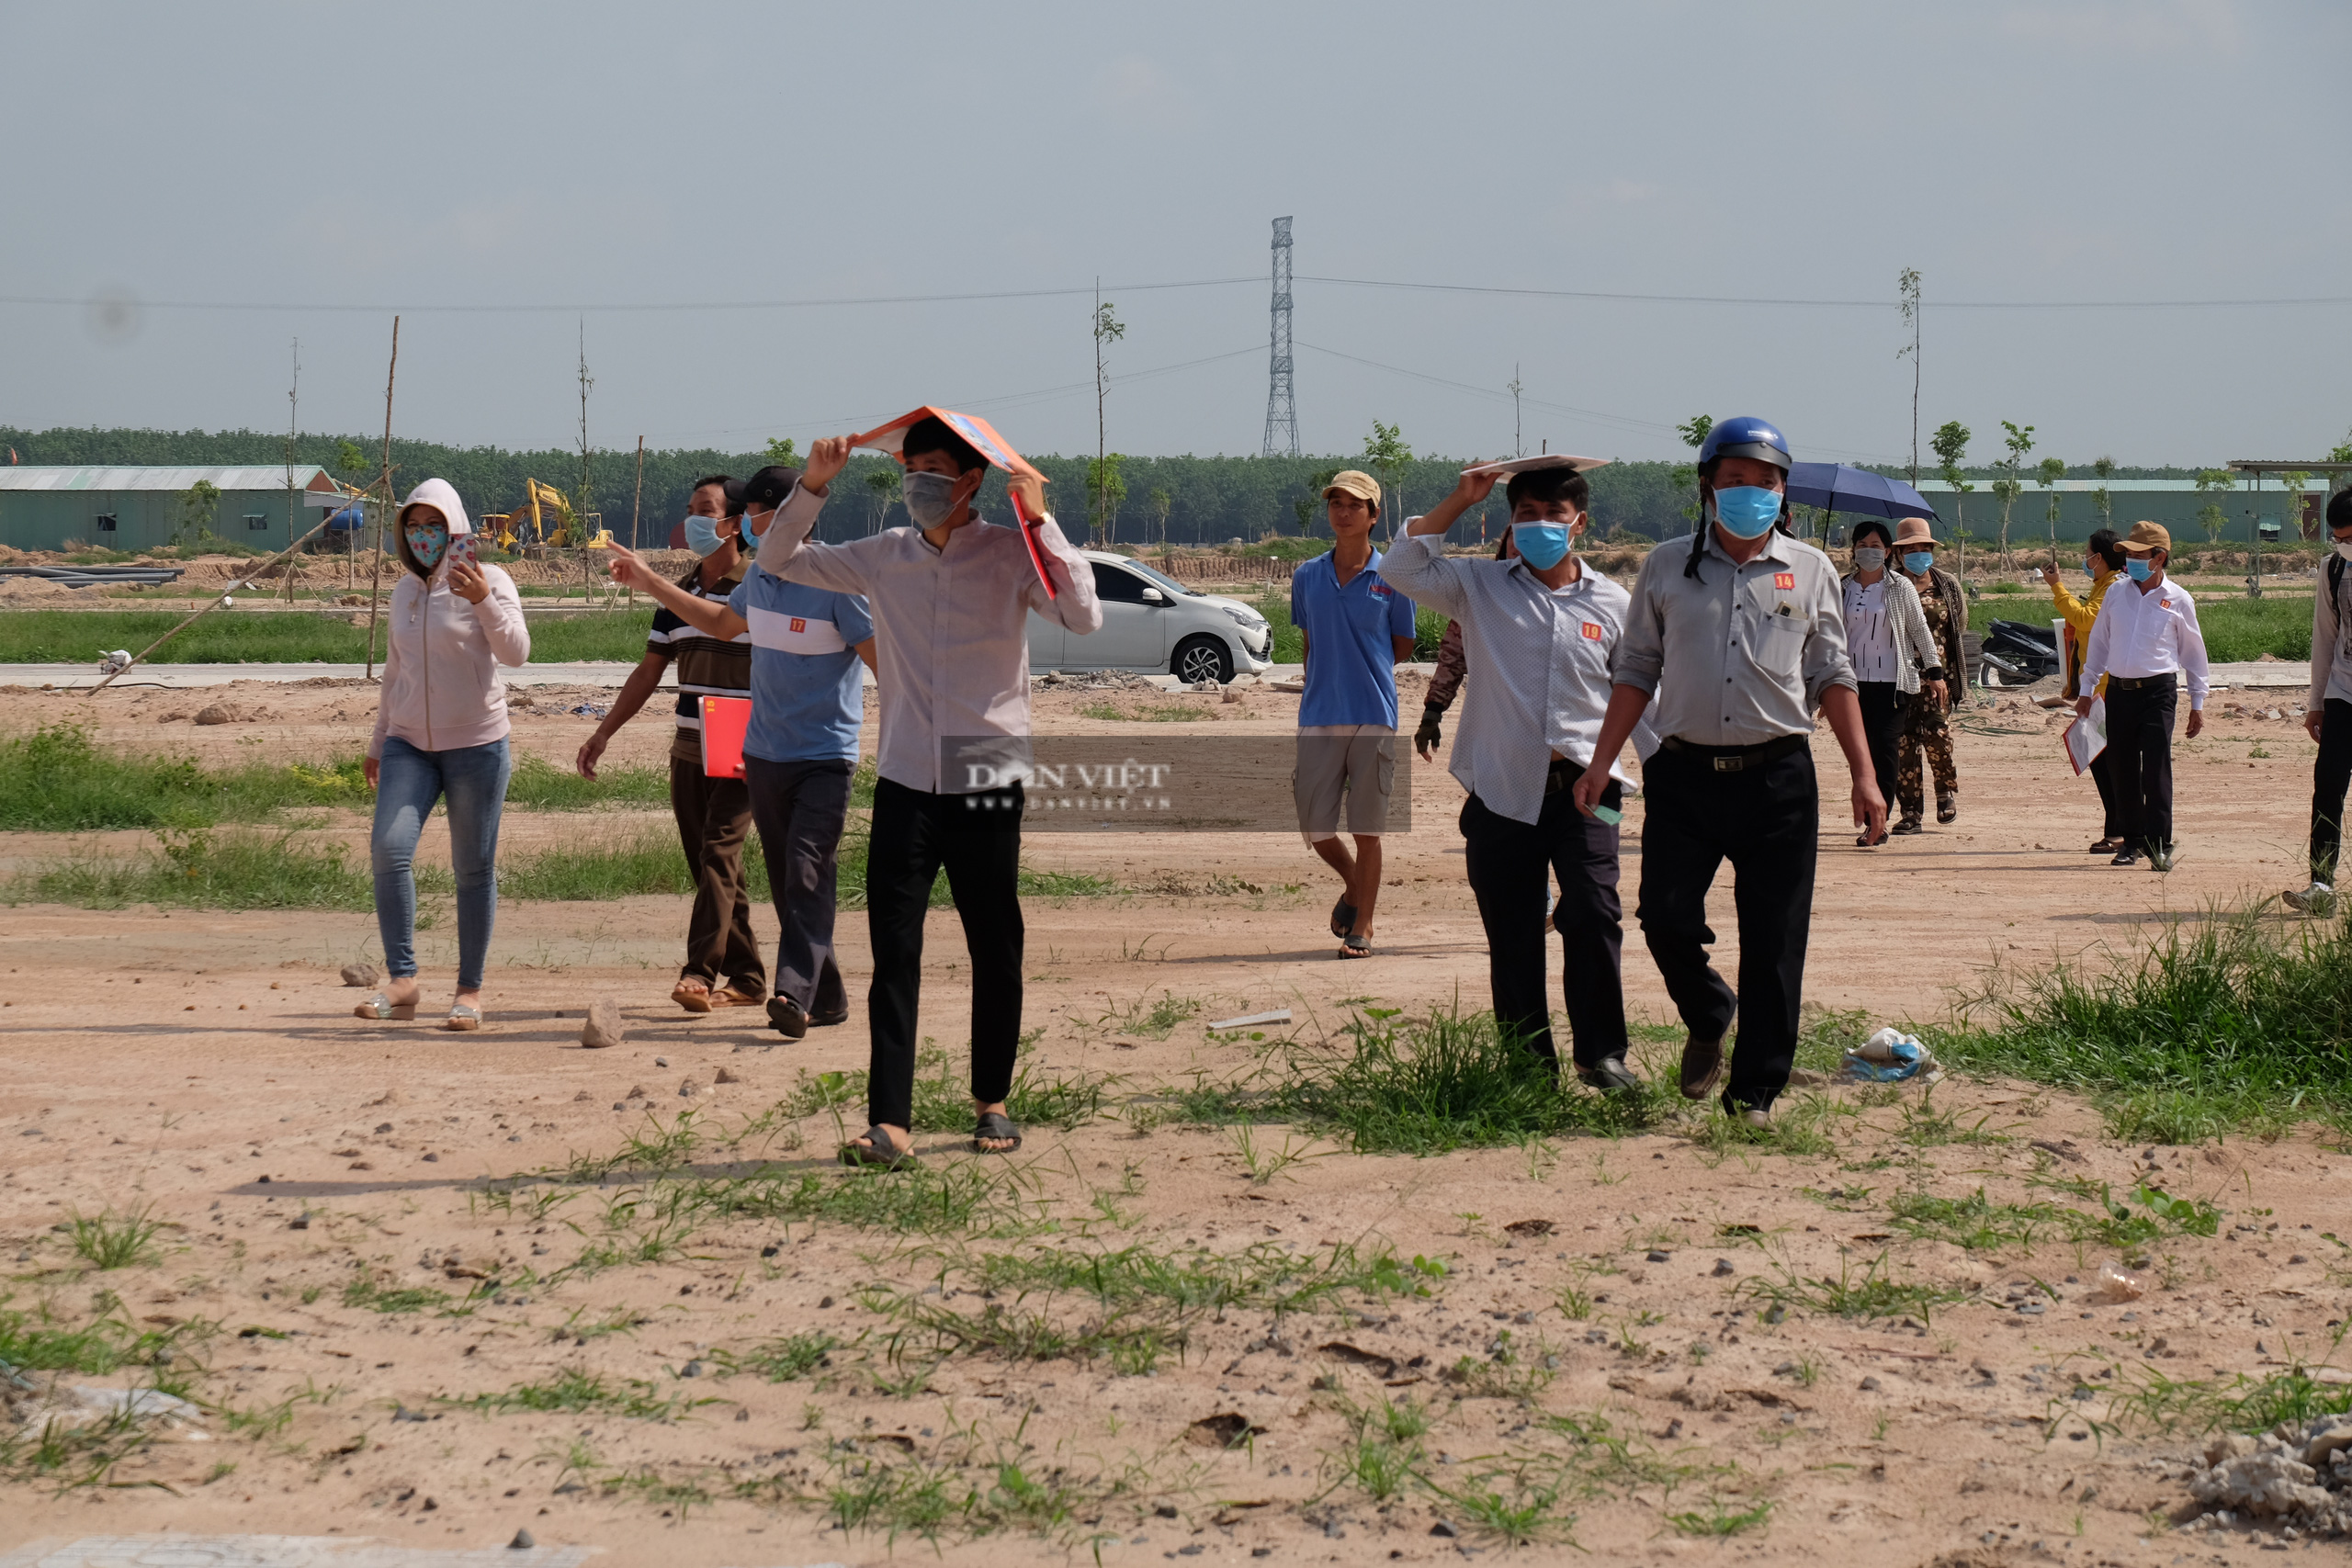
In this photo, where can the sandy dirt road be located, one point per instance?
(538, 1378)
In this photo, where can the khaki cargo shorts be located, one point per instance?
(1345, 771)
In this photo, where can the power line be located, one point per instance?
(848, 301)
(1827, 304)
(1622, 422)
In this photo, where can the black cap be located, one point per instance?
(766, 491)
(734, 488)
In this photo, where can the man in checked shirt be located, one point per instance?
(1740, 631)
(1536, 637)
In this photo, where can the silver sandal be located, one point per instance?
(462, 1017)
(380, 1006)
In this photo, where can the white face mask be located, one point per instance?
(927, 497)
(1869, 558)
(2344, 548)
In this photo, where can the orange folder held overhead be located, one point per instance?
(724, 722)
(891, 438)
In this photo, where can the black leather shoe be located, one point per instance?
(785, 1014)
(2127, 855)
(1609, 1075)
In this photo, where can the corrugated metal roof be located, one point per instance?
(257, 476)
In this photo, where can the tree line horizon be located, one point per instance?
(1179, 499)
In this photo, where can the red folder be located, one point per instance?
(724, 721)
(891, 438)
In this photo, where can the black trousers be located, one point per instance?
(2330, 774)
(1510, 866)
(977, 839)
(2139, 748)
(2102, 772)
(800, 807)
(713, 815)
(1765, 820)
(1883, 707)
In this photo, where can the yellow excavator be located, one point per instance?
(545, 518)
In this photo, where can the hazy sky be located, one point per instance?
(426, 156)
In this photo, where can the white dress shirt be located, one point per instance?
(950, 625)
(1538, 658)
(2141, 633)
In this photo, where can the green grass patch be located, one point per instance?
(1419, 1085)
(57, 780)
(1148, 713)
(787, 1360)
(234, 870)
(2237, 630)
(573, 1392)
(282, 636)
(2218, 1025)
(368, 1293)
(118, 1241)
(1877, 1294)
(2242, 1403)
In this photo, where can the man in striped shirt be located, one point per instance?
(713, 815)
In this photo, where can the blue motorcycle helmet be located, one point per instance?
(1744, 435)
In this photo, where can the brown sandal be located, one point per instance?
(691, 993)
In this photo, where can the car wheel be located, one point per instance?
(1200, 658)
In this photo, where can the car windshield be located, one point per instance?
(1165, 583)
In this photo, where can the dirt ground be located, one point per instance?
(309, 1162)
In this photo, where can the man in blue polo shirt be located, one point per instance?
(1356, 630)
(807, 700)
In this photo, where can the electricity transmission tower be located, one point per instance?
(1282, 410)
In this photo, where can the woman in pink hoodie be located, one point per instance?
(441, 733)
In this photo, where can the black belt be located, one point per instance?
(1562, 775)
(1734, 759)
(2164, 682)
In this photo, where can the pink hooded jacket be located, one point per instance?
(441, 686)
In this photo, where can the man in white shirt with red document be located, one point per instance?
(2145, 641)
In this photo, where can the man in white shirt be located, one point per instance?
(2327, 712)
(2145, 641)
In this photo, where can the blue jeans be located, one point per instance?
(408, 782)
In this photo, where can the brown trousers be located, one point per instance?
(714, 815)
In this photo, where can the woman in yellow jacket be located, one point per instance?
(2103, 559)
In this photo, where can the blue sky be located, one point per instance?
(304, 156)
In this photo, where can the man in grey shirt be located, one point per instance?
(1537, 632)
(1739, 631)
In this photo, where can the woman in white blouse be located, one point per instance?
(1892, 650)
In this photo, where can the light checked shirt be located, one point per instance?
(2142, 634)
(1733, 655)
(2331, 630)
(1538, 667)
(950, 625)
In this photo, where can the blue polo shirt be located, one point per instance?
(1351, 662)
(807, 693)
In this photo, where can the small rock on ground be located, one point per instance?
(603, 1029)
(360, 974)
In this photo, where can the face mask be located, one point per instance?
(1747, 512)
(2344, 548)
(2141, 571)
(2090, 569)
(1541, 545)
(1869, 558)
(926, 497)
(702, 536)
(428, 542)
(1917, 563)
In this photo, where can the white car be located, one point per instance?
(1153, 623)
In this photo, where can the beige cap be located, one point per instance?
(1913, 530)
(2148, 537)
(1355, 482)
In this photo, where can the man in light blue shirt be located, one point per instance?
(1347, 719)
(807, 700)
(1537, 631)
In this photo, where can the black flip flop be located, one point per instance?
(995, 1125)
(1343, 918)
(855, 1157)
(1352, 946)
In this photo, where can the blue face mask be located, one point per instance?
(1541, 545)
(2141, 571)
(1747, 512)
(702, 536)
(1917, 563)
